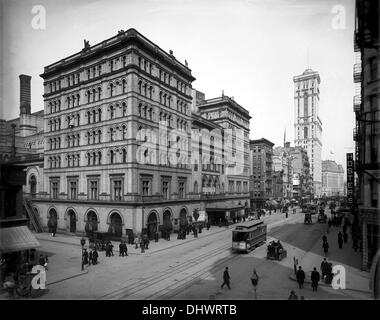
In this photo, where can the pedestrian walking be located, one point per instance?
(125, 249)
(324, 268)
(111, 248)
(107, 249)
(255, 281)
(292, 296)
(142, 245)
(340, 240)
(90, 258)
(208, 225)
(85, 257)
(324, 238)
(95, 256)
(300, 277)
(136, 242)
(325, 247)
(226, 279)
(315, 277)
(345, 237)
(121, 250)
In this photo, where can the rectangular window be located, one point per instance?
(73, 189)
(181, 189)
(93, 185)
(305, 105)
(165, 189)
(145, 187)
(54, 189)
(117, 189)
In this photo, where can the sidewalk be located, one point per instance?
(356, 279)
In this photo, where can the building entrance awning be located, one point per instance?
(17, 239)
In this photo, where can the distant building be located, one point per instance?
(332, 179)
(282, 162)
(261, 184)
(278, 184)
(307, 124)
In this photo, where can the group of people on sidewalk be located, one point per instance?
(90, 258)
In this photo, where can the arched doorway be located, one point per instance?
(183, 222)
(53, 220)
(92, 222)
(116, 225)
(152, 225)
(167, 226)
(72, 221)
(33, 185)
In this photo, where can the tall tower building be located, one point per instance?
(307, 124)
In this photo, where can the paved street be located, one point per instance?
(190, 269)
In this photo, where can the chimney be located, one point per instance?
(25, 93)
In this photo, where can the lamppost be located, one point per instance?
(82, 242)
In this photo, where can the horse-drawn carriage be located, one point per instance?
(275, 251)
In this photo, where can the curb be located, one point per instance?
(71, 277)
(323, 284)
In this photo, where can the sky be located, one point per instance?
(251, 49)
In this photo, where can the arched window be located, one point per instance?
(124, 155)
(89, 159)
(140, 107)
(112, 131)
(124, 132)
(68, 102)
(99, 93)
(124, 109)
(140, 84)
(124, 85)
(112, 156)
(150, 92)
(94, 137)
(94, 158)
(99, 136)
(78, 100)
(88, 117)
(93, 116)
(100, 114)
(88, 96)
(99, 157)
(145, 86)
(305, 132)
(112, 112)
(111, 89)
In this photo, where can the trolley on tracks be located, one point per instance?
(248, 235)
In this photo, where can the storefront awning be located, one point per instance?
(17, 239)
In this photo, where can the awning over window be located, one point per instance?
(17, 239)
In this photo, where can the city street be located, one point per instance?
(190, 269)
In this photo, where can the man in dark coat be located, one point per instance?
(345, 237)
(90, 258)
(121, 250)
(340, 240)
(125, 249)
(300, 277)
(95, 256)
(325, 247)
(226, 279)
(85, 257)
(324, 238)
(315, 277)
(324, 268)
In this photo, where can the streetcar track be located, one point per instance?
(138, 286)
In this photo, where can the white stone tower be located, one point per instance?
(307, 125)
